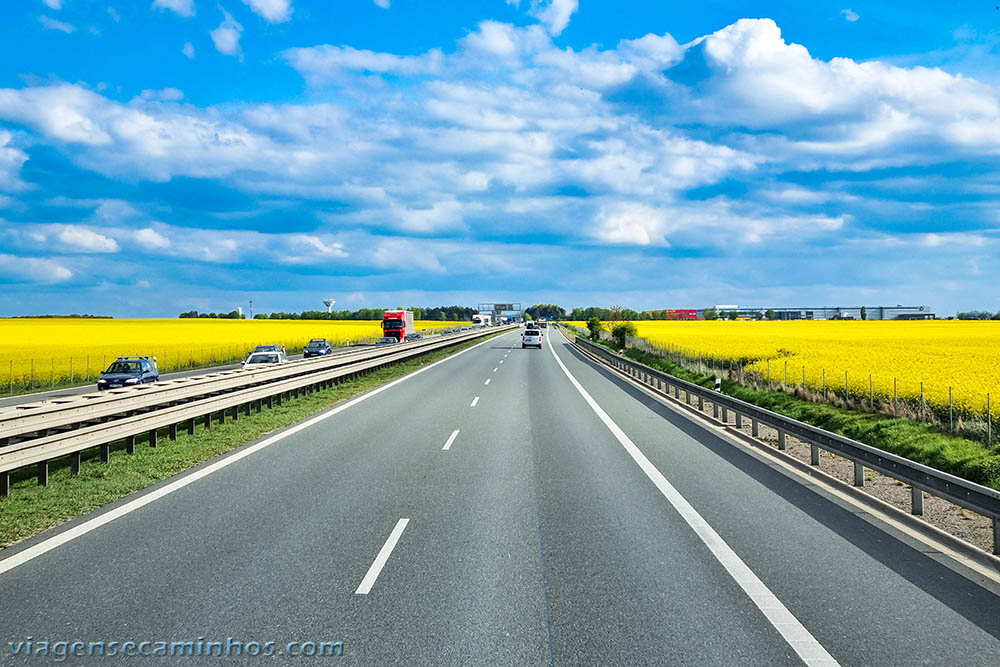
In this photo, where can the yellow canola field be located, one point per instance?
(42, 352)
(943, 354)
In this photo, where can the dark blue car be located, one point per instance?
(129, 371)
(317, 347)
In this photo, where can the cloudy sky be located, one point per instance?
(163, 155)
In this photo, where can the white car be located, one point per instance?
(531, 337)
(264, 359)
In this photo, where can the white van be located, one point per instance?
(531, 337)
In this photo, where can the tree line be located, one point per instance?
(437, 313)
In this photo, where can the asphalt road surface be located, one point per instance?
(501, 507)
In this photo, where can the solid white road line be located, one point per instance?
(62, 538)
(487, 380)
(474, 401)
(800, 639)
(451, 439)
(381, 558)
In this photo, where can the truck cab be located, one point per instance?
(398, 324)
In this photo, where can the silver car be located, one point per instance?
(265, 359)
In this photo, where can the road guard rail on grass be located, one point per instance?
(36, 433)
(921, 478)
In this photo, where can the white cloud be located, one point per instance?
(553, 14)
(11, 160)
(632, 224)
(384, 4)
(162, 95)
(115, 16)
(53, 24)
(188, 50)
(227, 36)
(53, 4)
(326, 63)
(183, 8)
(151, 239)
(508, 135)
(849, 15)
(81, 239)
(34, 270)
(274, 11)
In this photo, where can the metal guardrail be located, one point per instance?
(28, 418)
(185, 401)
(921, 478)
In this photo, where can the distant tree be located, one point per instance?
(260, 316)
(190, 313)
(758, 315)
(770, 314)
(864, 313)
(528, 317)
(733, 315)
(544, 311)
(594, 325)
(621, 332)
(711, 314)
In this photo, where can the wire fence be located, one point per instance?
(867, 393)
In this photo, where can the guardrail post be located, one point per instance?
(701, 403)
(236, 413)
(105, 453)
(725, 415)
(190, 428)
(279, 397)
(152, 438)
(43, 473)
(739, 420)
(859, 474)
(754, 427)
(173, 431)
(996, 536)
(5, 487)
(813, 455)
(715, 410)
(916, 501)
(270, 402)
(782, 443)
(74, 463)
(130, 444)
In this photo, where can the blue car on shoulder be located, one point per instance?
(129, 371)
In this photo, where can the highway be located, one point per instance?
(500, 507)
(63, 392)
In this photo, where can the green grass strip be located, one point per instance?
(916, 441)
(30, 509)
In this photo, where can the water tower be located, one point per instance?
(329, 304)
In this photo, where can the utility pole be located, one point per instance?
(251, 309)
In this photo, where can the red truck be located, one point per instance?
(398, 324)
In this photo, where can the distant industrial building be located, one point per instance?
(831, 312)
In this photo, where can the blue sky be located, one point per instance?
(164, 155)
